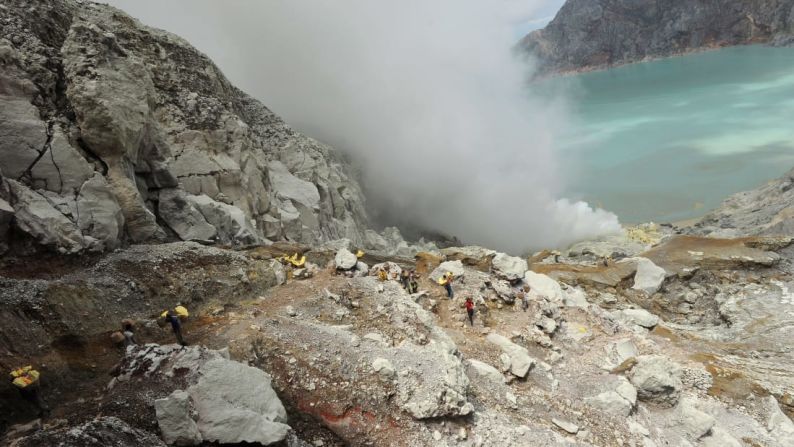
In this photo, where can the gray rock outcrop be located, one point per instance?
(519, 360)
(132, 135)
(767, 211)
(588, 34)
(226, 401)
(344, 259)
(649, 276)
(657, 379)
(509, 267)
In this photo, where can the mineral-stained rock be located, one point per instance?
(392, 270)
(470, 255)
(657, 379)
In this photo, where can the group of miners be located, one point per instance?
(27, 379)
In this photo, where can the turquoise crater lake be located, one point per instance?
(668, 140)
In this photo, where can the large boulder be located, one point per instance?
(509, 267)
(640, 317)
(520, 361)
(484, 370)
(543, 285)
(454, 267)
(657, 379)
(425, 395)
(235, 403)
(182, 217)
(99, 214)
(692, 423)
(175, 421)
(61, 169)
(223, 401)
(231, 223)
(344, 259)
(35, 216)
(23, 135)
(619, 400)
(649, 276)
(778, 424)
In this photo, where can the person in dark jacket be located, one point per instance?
(173, 318)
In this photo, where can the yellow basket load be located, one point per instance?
(445, 279)
(181, 311)
(296, 260)
(25, 376)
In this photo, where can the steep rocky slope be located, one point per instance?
(112, 132)
(767, 210)
(588, 34)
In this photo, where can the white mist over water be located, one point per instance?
(426, 97)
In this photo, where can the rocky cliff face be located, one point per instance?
(589, 34)
(767, 210)
(113, 132)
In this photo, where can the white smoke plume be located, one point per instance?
(427, 97)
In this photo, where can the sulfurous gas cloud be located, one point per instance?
(427, 98)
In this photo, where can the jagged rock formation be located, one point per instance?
(767, 210)
(113, 132)
(223, 401)
(591, 34)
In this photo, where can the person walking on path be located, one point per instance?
(470, 310)
(404, 281)
(128, 330)
(524, 295)
(413, 284)
(446, 281)
(176, 325)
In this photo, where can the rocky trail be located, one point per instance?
(359, 361)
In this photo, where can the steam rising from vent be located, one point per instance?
(426, 96)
